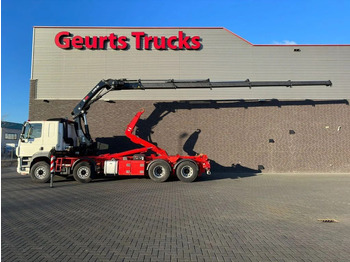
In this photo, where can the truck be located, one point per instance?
(65, 147)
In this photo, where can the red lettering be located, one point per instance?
(112, 38)
(88, 42)
(138, 36)
(148, 41)
(101, 43)
(170, 42)
(66, 40)
(196, 42)
(61, 41)
(122, 41)
(78, 42)
(183, 41)
(162, 45)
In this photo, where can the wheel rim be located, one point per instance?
(83, 172)
(187, 171)
(159, 171)
(40, 172)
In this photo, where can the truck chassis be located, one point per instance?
(158, 165)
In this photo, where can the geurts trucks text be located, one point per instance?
(71, 143)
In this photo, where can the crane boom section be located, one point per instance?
(123, 84)
(105, 86)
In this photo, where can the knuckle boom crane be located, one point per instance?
(75, 154)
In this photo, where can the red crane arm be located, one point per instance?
(140, 141)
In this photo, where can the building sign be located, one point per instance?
(143, 41)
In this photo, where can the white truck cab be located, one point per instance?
(38, 138)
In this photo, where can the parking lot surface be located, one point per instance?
(224, 217)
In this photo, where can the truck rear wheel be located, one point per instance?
(159, 171)
(83, 172)
(40, 172)
(187, 171)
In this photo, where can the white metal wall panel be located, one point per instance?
(70, 74)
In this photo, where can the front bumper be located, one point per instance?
(23, 166)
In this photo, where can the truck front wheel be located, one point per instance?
(187, 171)
(40, 172)
(83, 172)
(159, 170)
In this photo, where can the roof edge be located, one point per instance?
(186, 27)
(133, 27)
(280, 44)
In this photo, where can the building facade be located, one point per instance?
(10, 133)
(270, 129)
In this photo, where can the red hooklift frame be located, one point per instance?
(201, 160)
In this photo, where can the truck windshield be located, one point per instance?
(32, 131)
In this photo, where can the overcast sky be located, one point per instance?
(258, 21)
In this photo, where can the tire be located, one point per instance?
(159, 171)
(83, 172)
(40, 172)
(187, 171)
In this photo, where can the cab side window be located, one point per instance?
(33, 131)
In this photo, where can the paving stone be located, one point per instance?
(269, 217)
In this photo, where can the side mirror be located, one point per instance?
(26, 135)
(30, 132)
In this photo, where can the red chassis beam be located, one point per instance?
(201, 160)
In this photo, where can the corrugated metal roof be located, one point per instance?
(11, 125)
